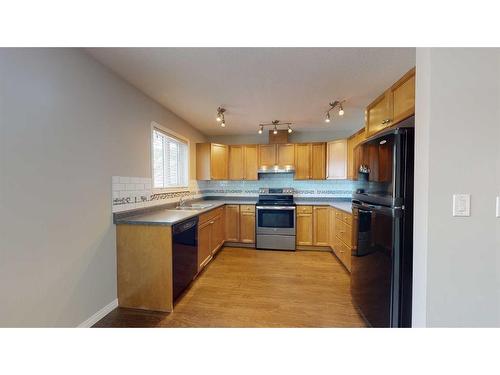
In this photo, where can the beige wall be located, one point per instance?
(67, 124)
(456, 259)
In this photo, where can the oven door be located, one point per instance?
(276, 220)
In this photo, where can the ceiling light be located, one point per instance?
(220, 115)
(275, 131)
(327, 118)
(223, 124)
(341, 111)
(261, 129)
(289, 129)
(275, 124)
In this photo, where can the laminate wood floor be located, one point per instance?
(251, 288)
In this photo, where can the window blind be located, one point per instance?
(170, 161)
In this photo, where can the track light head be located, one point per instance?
(223, 124)
(289, 129)
(260, 129)
(327, 118)
(275, 131)
(341, 110)
(220, 114)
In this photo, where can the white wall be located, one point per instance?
(67, 124)
(457, 262)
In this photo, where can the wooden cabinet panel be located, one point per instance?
(304, 209)
(219, 161)
(354, 154)
(204, 244)
(320, 225)
(403, 97)
(267, 155)
(251, 164)
(331, 227)
(303, 161)
(379, 114)
(318, 161)
(336, 159)
(217, 235)
(236, 166)
(286, 154)
(232, 222)
(304, 229)
(247, 226)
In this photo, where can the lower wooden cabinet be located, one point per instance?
(247, 224)
(342, 239)
(232, 219)
(211, 235)
(321, 222)
(304, 224)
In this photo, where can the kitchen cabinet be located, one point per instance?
(342, 241)
(336, 160)
(403, 97)
(310, 161)
(267, 156)
(304, 223)
(232, 219)
(321, 222)
(210, 235)
(247, 224)
(276, 154)
(243, 162)
(353, 153)
(392, 106)
(285, 154)
(212, 161)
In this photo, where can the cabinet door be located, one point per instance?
(267, 155)
(219, 161)
(403, 97)
(352, 143)
(286, 154)
(337, 159)
(247, 226)
(331, 227)
(304, 229)
(302, 161)
(204, 244)
(379, 114)
(236, 168)
(318, 161)
(232, 219)
(321, 220)
(217, 235)
(251, 162)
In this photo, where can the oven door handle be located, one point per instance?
(282, 208)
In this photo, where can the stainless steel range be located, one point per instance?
(276, 219)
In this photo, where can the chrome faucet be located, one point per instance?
(182, 201)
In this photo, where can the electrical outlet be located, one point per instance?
(461, 204)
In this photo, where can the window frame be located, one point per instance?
(173, 134)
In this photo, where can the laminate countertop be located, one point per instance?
(168, 215)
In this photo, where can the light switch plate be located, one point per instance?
(461, 204)
(498, 207)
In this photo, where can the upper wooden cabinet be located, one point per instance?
(310, 161)
(212, 161)
(353, 157)
(394, 105)
(285, 154)
(403, 97)
(336, 160)
(276, 154)
(243, 162)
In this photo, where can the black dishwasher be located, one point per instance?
(184, 254)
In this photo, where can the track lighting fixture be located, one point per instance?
(333, 105)
(220, 116)
(275, 125)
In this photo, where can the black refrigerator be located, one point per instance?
(382, 257)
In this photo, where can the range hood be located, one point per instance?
(277, 169)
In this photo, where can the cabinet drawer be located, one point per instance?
(304, 209)
(338, 214)
(347, 218)
(247, 208)
(207, 216)
(343, 232)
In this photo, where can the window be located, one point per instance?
(170, 160)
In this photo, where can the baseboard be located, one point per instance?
(99, 315)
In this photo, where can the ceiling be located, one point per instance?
(260, 84)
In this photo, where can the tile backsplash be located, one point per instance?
(136, 192)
